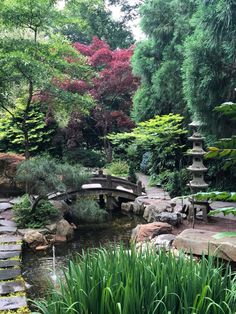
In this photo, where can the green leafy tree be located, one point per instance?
(163, 137)
(85, 19)
(40, 134)
(33, 60)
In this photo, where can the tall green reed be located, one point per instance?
(118, 281)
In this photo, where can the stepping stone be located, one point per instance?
(7, 230)
(16, 247)
(5, 206)
(11, 287)
(15, 200)
(6, 274)
(12, 303)
(7, 223)
(4, 255)
(9, 263)
(9, 239)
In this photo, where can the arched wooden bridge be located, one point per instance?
(109, 186)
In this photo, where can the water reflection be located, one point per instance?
(38, 266)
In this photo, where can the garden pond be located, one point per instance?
(37, 267)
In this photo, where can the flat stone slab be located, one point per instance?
(9, 263)
(5, 206)
(200, 242)
(6, 274)
(4, 255)
(12, 303)
(7, 223)
(11, 287)
(6, 247)
(4, 230)
(10, 239)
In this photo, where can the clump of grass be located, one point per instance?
(115, 281)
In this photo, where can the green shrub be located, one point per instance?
(37, 219)
(145, 163)
(175, 182)
(115, 281)
(88, 211)
(86, 157)
(132, 174)
(118, 168)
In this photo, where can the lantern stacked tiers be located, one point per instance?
(197, 169)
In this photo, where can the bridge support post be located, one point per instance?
(110, 203)
(102, 203)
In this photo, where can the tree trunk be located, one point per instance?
(24, 123)
(36, 202)
(27, 146)
(108, 150)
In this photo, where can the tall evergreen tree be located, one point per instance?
(159, 58)
(209, 69)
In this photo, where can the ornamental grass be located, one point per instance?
(119, 281)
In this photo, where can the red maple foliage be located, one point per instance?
(115, 85)
(112, 88)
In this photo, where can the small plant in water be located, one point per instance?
(87, 210)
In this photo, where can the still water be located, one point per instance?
(38, 266)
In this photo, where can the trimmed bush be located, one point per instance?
(88, 211)
(115, 281)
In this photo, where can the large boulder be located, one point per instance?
(138, 206)
(64, 231)
(173, 219)
(152, 210)
(146, 232)
(8, 167)
(34, 239)
(200, 242)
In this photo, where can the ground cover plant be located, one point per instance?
(118, 168)
(115, 281)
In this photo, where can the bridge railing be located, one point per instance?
(111, 182)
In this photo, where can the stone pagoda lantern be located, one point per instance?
(197, 169)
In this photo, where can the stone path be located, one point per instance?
(157, 193)
(153, 191)
(12, 285)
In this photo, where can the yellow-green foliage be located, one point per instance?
(153, 132)
(22, 310)
(118, 168)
